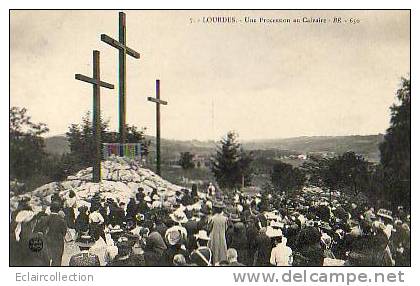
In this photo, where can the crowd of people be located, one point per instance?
(210, 228)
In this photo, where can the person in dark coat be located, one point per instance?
(160, 226)
(192, 229)
(237, 239)
(264, 247)
(309, 250)
(251, 236)
(151, 254)
(116, 215)
(201, 255)
(27, 243)
(55, 229)
(132, 209)
(82, 220)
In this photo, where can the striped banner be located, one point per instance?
(129, 150)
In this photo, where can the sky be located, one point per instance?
(263, 80)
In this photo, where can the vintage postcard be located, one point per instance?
(201, 138)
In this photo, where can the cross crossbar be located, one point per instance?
(158, 101)
(93, 81)
(116, 44)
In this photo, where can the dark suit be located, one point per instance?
(84, 259)
(54, 227)
(201, 256)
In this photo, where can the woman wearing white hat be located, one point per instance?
(281, 255)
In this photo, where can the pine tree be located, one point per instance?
(231, 165)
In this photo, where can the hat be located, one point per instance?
(271, 215)
(179, 216)
(202, 234)
(276, 224)
(123, 242)
(85, 240)
(115, 229)
(218, 204)
(271, 232)
(156, 197)
(385, 214)
(173, 236)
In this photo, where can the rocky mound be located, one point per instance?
(120, 180)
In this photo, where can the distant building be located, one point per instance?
(302, 157)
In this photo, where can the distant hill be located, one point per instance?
(367, 145)
(57, 145)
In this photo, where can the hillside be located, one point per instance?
(366, 145)
(57, 145)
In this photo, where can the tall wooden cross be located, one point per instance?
(95, 80)
(123, 50)
(158, 102)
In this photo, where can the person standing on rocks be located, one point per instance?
(69, 206)
(96, 222)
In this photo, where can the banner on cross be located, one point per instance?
(128, 150)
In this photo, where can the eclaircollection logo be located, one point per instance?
(36, 244)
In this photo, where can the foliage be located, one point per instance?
(287, 178)
(81, 141)
(396, 149)
(231, 165)
(349, 172)
(27, 155)
(186, 160)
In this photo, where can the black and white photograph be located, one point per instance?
(209, 138)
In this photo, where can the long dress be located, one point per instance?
(217, 243)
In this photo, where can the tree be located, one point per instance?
(27, 155)
(352, 172)
(396, 149)
(349, 172)
(81, 141)
(286, 178)
(231, 165)
(186, 161)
